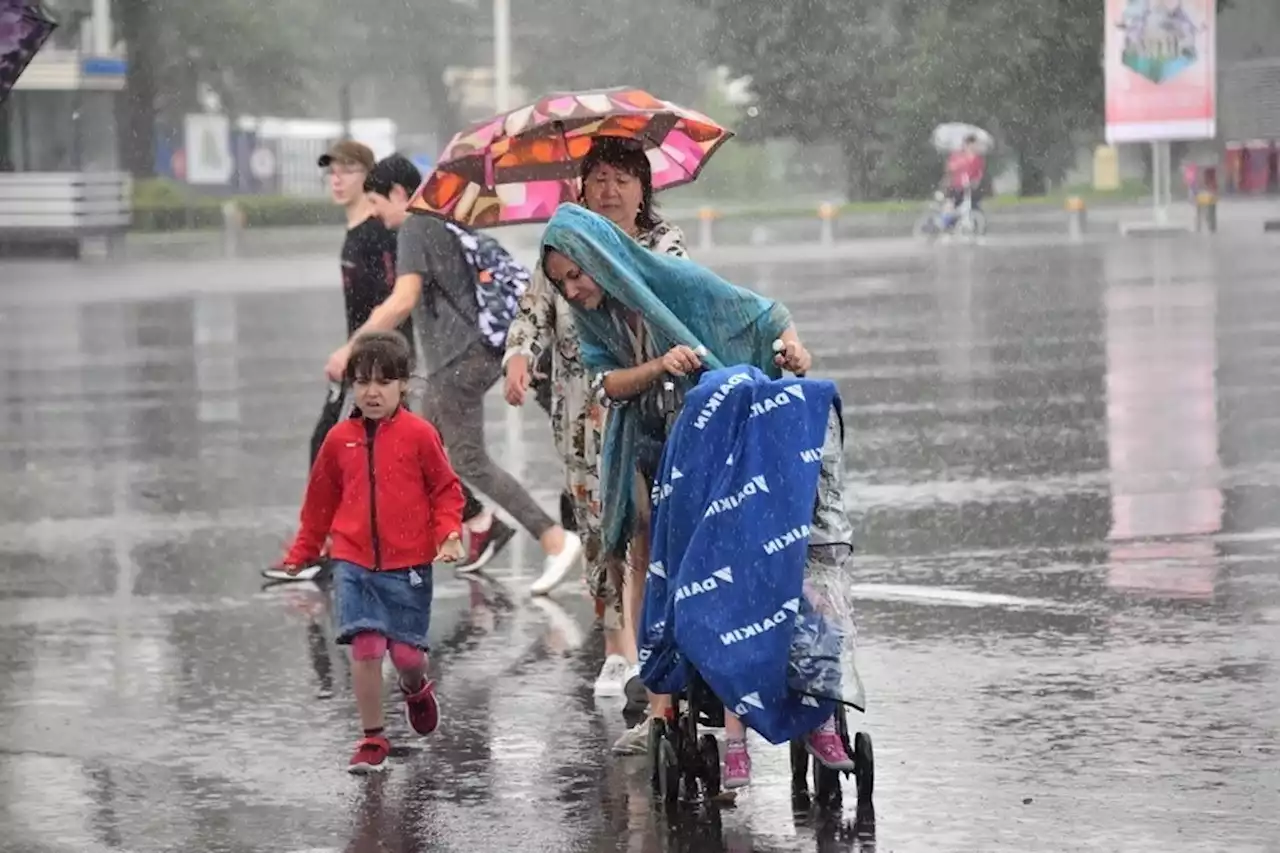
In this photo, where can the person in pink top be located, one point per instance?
(965, 171)
(1191, 177)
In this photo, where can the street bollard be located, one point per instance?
(706, 221)
(1206, 213)
(1076, 222)
(232, 228)
(827, 213)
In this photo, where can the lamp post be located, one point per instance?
(502, 103)
(102, 35)
(501, 55)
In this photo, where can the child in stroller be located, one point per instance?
(817, 645)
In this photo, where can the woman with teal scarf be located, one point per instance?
(643, 318)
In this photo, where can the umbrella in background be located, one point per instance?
(950, 137)
(519, 166)
(24, 27)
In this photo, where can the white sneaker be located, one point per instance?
(306, 573)
(565, 635)
(612, 676)
(556, 567)
(635, 740)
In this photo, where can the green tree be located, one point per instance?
(820, 70)
(291, 57)
(571, 45)
(876, 77)
(253, 54)
(407, 49)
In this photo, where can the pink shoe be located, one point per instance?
(737, 765)
(421, 710)
(824, 744)
(370, 756)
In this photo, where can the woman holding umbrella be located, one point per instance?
(965, 170)
(966, 146)
(617, 183)
(610, 149)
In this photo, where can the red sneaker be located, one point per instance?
(484, 545)
(421, 710)
(370, 756)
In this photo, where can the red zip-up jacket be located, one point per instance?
(383, 491)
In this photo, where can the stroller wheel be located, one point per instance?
(668, 769)
(864, 766)
(800, 799)
(657, 736)
(826, 787)
(709, 753)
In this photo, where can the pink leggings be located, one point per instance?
(368, 645)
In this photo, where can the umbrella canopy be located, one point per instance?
(951, 137)
(24, 27)
(519, 166)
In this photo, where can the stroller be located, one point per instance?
(685, 763)
(677, 753)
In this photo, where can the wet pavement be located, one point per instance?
(1064, 464)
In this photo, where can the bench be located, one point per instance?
(63, 212)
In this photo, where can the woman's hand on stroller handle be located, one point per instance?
(791, 355)
(681, 360)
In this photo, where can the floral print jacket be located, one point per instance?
(545, 322)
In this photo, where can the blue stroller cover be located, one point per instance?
(733, 506)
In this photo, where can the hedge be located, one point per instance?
(163, 205)
(259, 211)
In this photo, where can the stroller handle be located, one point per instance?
(669, 384)
(778, 347)
(669, 387)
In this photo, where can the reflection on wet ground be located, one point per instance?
(1065, 469)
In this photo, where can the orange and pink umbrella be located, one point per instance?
(518, 167)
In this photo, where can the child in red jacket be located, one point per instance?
(375, 480)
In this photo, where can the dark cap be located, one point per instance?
(347, 151)
(389, 171)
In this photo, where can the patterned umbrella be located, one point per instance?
(23, 29)
(518, 167)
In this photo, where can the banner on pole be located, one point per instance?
(1161, 70)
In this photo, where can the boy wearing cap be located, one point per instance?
(369, 250)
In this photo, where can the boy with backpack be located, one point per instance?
(462, 289)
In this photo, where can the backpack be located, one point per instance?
(500, 282)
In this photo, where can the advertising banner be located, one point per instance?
(1161, 74)
(207, 143)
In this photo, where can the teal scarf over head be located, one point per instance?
(681, 303)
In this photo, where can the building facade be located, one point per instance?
(60, 174)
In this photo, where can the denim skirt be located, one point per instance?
(395, 604)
